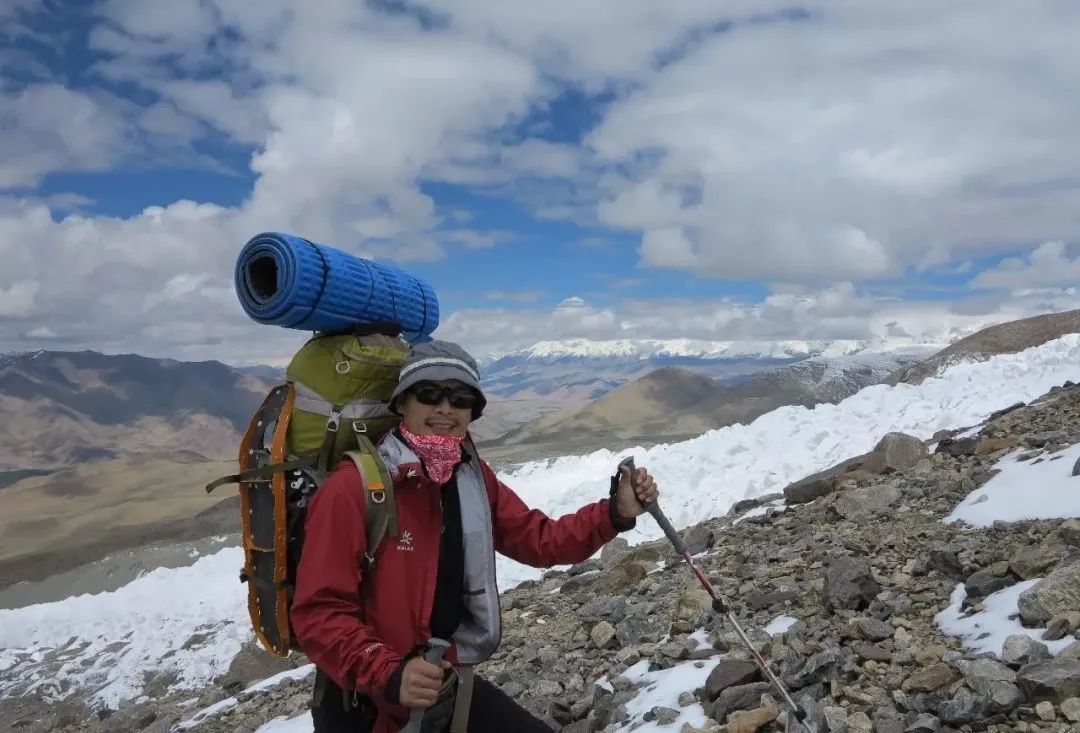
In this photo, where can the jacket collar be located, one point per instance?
(402, 462)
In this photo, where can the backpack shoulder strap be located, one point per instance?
(380, 510)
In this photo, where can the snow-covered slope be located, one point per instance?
(189, 622)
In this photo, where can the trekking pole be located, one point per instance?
(436, 648)
(718, 605)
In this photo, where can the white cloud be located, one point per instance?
(1048, 265)
(864, 140)
(855, 144)
(18, 300)
(49, 128)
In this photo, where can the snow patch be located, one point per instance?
(299, 724)
(779, 625)
(987, 630)
(188, 621)
(1040, 488)
(662, 688)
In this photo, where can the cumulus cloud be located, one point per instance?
(49, 128)
(1048, 265)
(853, 142)
(816, 151)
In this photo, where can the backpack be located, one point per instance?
(333, 406)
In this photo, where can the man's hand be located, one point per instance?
(630, 500)
(420, 683)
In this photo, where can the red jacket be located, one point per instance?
(358, 626)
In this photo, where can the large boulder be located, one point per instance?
(895, 452)
(819, 484)
(1033, 561)
(1053, 681)
(994, 683)
(1057, 593)
(730, 673)
(989, 580)
(866, 502)
(849, 585)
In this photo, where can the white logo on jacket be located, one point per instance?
(405, 543)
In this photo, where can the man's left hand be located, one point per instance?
(630, 500)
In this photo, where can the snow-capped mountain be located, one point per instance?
(552, 375)
(644, 349)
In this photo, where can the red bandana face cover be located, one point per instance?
(439, 453)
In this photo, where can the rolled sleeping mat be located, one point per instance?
(285, 280)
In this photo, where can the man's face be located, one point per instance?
(450, 413)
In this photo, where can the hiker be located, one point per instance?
(365, 621)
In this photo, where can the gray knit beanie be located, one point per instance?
(434, 361)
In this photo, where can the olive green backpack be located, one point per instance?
(333, 405)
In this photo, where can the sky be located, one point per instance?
(611, 169)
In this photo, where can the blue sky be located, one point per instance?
(627, 170)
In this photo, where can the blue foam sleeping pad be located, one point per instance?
(284, 280)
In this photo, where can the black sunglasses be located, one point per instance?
(434, 394)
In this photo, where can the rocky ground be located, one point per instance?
(859, 556)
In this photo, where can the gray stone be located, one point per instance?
(994, 682)
(962, 709)
(819, 484)
(860, 722)
(1045, 711)
(130, 718)
(958, 447)
(637, 630)
(872, 652)
(989, 580)
(1058, 592)
(698, 538)
(895, 452)
(888, 721)
(1033, 561)
(835, 719)
(874, 629)
(944, 560)
(545, 688)
(1020, 649)
(1070, 531)
(252, 664)
(663, 716)
(1060, 626)
(931, 678)
(1072, 651)
(849, 585)
(1070, 708)
(924, 723)
(613, 551)
(730, 673)
(1054, 681)
(819, 668)
(602, 635)
(621, 577)
(761, 600)
(864, 503)
(743, 697)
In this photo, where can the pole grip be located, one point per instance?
(653, 508)
(436, 649)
